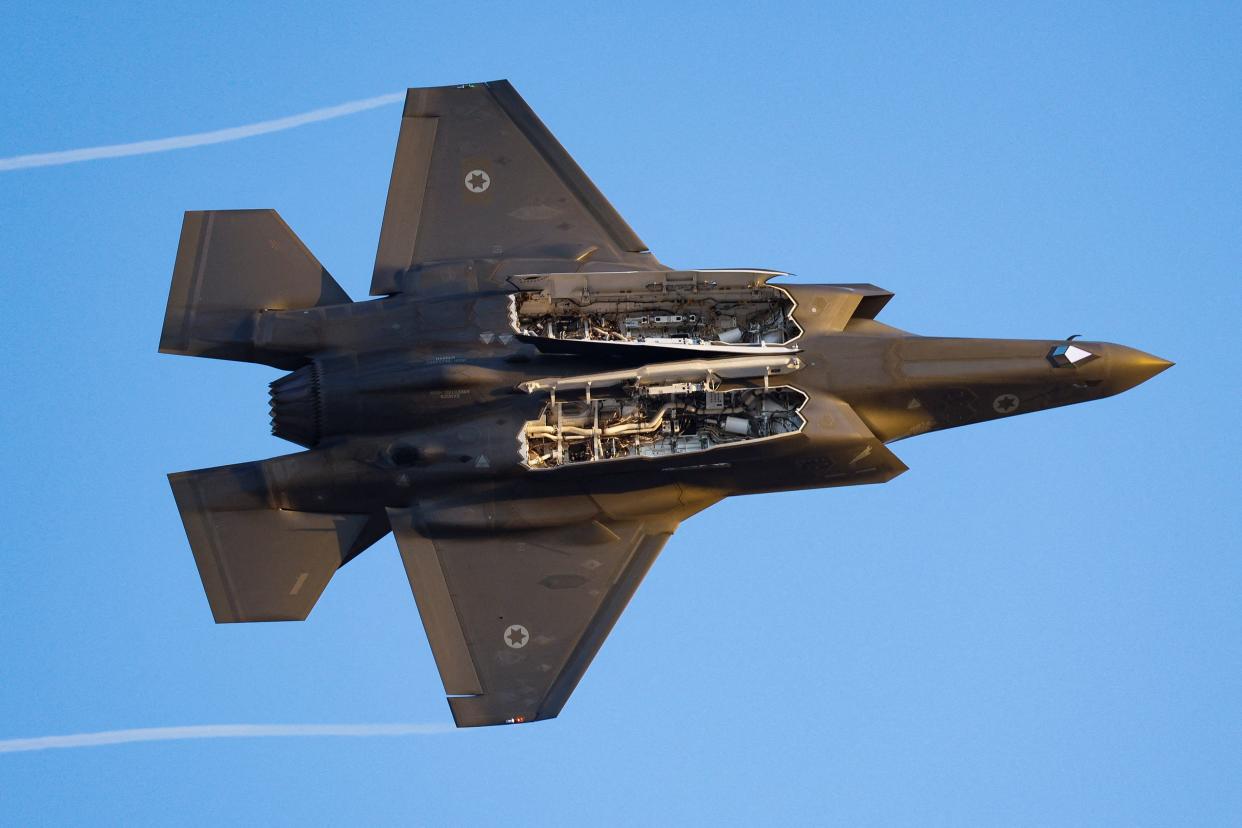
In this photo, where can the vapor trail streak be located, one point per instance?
(47, 159)
(217, 731)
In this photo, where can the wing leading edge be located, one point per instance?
(478, 176)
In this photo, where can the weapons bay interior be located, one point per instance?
(715, 308)
(656, 421)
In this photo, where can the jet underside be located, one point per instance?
(536, 402)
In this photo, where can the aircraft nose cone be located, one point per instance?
(1130, 367)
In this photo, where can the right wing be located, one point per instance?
(515, 618)
(478, 176)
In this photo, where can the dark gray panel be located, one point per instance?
(514, 619)
(230, 265)
(257, 563)
(478, 176)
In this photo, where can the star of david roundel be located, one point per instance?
(1005, 404)
(477, 181)
(517, 636)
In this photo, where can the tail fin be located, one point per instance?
(258, 563)
(231, 264)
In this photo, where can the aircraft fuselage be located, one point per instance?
(443, 412)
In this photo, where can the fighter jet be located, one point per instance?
(535, 402)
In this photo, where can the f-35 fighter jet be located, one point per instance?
(536, 402)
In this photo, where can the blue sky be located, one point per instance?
(1037, 624)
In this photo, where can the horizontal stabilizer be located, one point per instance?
(258, 563)
(232, 264)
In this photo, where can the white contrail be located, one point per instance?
(46, 159)
(217, 731)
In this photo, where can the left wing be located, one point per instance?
(515, 618)
(478, 176)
